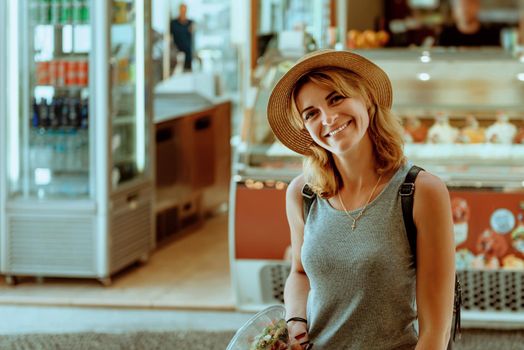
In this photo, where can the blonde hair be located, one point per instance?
(385, 130)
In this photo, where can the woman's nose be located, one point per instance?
(329, 118)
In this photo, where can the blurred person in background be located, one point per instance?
(182, 29)
(467, 29)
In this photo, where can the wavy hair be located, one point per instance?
(385, 130)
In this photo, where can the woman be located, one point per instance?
(352, 281)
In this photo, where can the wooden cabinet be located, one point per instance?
(193, 162)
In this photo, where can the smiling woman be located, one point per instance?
(353, 277)
(338, 98)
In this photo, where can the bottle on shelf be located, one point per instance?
(82, 71)
(64, 113)
(65, 71)
(59, 133)
(74, 105)
(53, 72)
(60, 12)
(44, 11)
(121, 11)
(56, 10)
(54, 108)
(40, 149)
(35, 115)
(83, 135)
(66, 12)
(80, 9)
(84, 113)
(43, 112)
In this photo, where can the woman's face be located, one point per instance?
(336, 123)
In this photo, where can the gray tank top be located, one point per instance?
(363, 281)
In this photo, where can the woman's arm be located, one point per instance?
(297, 284)
(435, 261)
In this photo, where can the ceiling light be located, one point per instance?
(424, 76)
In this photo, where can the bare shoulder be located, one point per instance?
(432, 200)
(294, 190)
(429, 186)
(294, 197)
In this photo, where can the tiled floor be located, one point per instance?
(192, 272)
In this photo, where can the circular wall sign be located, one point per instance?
(502, 221)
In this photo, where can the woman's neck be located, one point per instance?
(357, 168)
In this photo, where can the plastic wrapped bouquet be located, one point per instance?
(266, 330)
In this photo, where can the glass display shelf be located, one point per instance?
(50, 150)
(429, 89)
(128, 100)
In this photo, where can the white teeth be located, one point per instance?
(339, 129)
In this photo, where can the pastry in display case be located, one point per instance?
(502, 131)
(414, 130)
(367, 39)
(472, 132)
(448, 125)
(442, 131)
(519, 138)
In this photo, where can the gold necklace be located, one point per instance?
(355, 219)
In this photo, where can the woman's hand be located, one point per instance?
(298, 336)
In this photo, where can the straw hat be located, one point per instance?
(279, 105)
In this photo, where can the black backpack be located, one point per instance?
(406, 192)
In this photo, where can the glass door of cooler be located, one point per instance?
(129, 113)
(48, 118)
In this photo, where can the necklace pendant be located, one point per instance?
(353, 225)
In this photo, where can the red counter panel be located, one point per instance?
(261, 229)
(489, 227)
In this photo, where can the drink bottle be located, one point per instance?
(44, 12)
(44, 114)
(66, 14)
(35, 117)
(56, 9)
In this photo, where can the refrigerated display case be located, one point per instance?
(77, 169)
(3, 102)
(463, 113)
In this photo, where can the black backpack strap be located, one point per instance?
(309, 196)
(406, 192)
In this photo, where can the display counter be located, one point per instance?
(463, 117)
(193, 159)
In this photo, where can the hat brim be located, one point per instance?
(279, 104)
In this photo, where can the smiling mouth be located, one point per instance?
(337, 130)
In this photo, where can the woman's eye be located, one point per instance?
(309, 115)
(336, 98)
